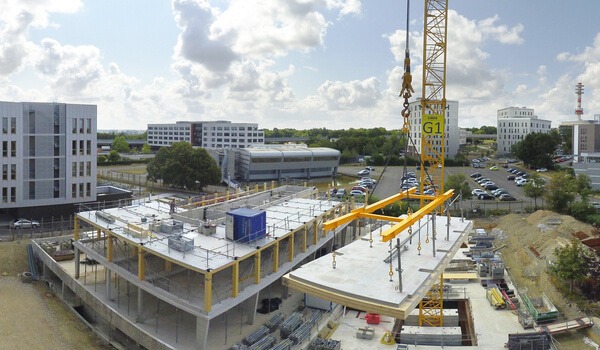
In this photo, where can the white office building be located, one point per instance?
(48, 155)
(452, 131)
(206, 134)
(514, 123)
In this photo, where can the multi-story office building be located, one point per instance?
(211, 134)
(514, 123)
(452, 137)
(48, 153)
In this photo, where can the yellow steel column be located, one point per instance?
(315, 237)
(76, 227)
(168, 265)
(291, 247)
(235, 278)
(276, 257)
(109, 247)
(141, 266)
(207, 291)
(98, 233)
(257, 267)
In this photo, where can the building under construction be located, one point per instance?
(163, 274)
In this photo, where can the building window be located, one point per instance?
(89, 147)
(74, 191)
(4, 195)
(13, 171)
(88, 189)
(13, 148)
(4, 148)
(81, 170)
(88, 168)
(13, 194)
(4, 171)
(88, 125)
(74, 121)
(74, 147)
(74, 169)
(13, 125)
(5, 125)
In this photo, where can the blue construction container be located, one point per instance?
(246, 225)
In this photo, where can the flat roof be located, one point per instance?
(360, 277)
(210, 252)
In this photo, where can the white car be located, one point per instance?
(24, 223)
(542, 170)
(363, 172)
(521, 182)
(476, 192)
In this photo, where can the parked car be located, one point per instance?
(490, 187)
(24, 223)
(429, 192)
(359, 188)
(494, 167)
(506, 197)
(363, 172)
(485, 196)
(521, 182)
(475, 175)
(340, 192)
(370, 168)
(510, 177)
(356, 193)
(476, 192)
(595, 205)
(542, 170)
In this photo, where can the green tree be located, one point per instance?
(146, 149)
(571, 263)
(120, 144)
(184, 167)
(460, 185)
(561, 192)
(584, 186)
(534, 188)
(114, 156)
(536, 149)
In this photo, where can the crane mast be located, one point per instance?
(433, 128)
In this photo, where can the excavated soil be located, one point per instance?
(527, 244)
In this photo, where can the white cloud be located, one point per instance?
(354, 94)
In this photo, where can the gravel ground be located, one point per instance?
(31, 316)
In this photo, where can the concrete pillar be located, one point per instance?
(250, 306)
(140, 306)
(202, 325)
(108, 274)
(285, 292)
(77, 264)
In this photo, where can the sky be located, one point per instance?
(301, 64)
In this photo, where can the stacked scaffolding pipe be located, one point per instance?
(285, 344)
(264, 343)
(291, 324)
(325, 344)
(301, 333)
(256, 335)
(274, 322)
(315, 317)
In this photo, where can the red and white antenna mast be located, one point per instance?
(579, 92)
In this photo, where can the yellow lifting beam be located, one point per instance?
(403, 223)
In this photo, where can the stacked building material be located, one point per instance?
(255, 336)
(435, 336)
(301, 333)
(325, 344)
(264, 343)
(275, 322)
(285, 344)
(290, 324)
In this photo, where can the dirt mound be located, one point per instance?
(528, 243)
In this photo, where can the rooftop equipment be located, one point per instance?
(246, 225)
